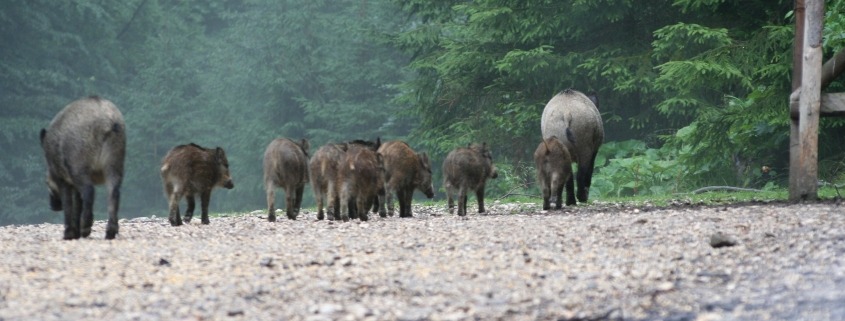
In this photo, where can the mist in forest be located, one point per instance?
(229, 74)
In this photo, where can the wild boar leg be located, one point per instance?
(559, 197)
(449, 200)
(570, 190)
(388, 199)
(298, 205)
(479, 195)
(72, 206)
(362, 204)
(319, 199)
(87, 219)
(290, 202)
(189, 212)
(402, 195)
(204, 198)
(175, 219)
(546, 197)
(271, 202)
(344, 201)
(379, 203)
(114, 205)
(462, 201)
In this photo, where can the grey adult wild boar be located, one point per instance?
(360, 182)
(85, 145)
(323, 168)
(467, 169)
(571, 113)
(404, 170)
(286, 166)
(191, 169)
(554, 167)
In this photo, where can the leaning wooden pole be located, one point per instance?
(794, 146)
(809, 102)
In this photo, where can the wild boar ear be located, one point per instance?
(424, 161)
(43, 133)
(219, 154)
(378, 142)
(305, 145)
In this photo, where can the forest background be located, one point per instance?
(692, 92)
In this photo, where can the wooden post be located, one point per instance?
(809, 103)
(794, 152)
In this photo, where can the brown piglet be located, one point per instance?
(467, 169)
(554, 168)
(191, 169)
(404, 171)
(286, 166)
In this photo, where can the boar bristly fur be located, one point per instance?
(571, 113)
(554, 167)
(324, 167)
(85, 145)
(360, 182)
(191, 169)
(286, 166)
(467, 169)
(404, 171)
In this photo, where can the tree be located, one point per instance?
(717, 69)
(227, 73)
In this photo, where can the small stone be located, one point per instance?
(665, 286)
(267, 262)
(163, 262)
(722, 240)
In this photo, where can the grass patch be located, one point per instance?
(707, 198)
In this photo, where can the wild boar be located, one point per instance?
(571, 113)
(286, 166)
(467, 169)
(554, 167)
(404, 170)
(360, 182)
(85, 145)
(324, 171)
(191, 169)
(323, 167)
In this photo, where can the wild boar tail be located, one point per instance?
(570, 136)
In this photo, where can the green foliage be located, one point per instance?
(629, 168)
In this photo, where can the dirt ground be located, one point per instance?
(757, 261)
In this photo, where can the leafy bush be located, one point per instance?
(629, 168)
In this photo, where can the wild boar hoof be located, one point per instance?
(110, 235)
(271, 218)
(71, 235)
(206, 221)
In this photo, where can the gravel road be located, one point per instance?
(599, 262)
